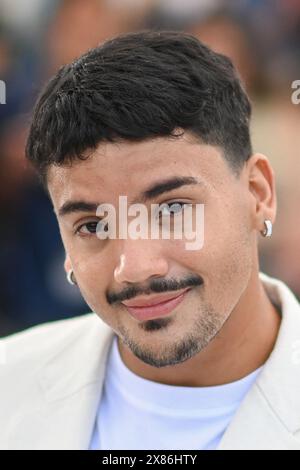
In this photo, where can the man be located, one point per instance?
(183, 348)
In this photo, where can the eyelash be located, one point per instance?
(77, 231)
(173, 203)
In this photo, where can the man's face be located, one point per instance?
(217, 274)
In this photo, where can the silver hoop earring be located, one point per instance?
(268, 229)
(70, 277)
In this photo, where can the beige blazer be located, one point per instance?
(51, 378)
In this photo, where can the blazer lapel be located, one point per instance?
(59, 410)
(66, 395)
(269, 416)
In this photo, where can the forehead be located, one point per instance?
(128, 167)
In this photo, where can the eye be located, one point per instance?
(173, 208)
(91, 228)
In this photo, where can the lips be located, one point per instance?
(153, 300)
(145, 308)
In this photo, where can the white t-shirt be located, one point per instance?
(136, 413)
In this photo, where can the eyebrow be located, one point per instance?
(153, 191)
(166, 185)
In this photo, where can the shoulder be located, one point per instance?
(55, 356)
(40, 340)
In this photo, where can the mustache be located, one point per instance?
(155, 286)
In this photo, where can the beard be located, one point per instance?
(203, 330)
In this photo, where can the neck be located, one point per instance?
(243, 344)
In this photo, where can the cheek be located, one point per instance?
(223, 238)
(93, 274)
(224, 262)
(228, 259)
(227, 231)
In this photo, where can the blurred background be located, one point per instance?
(262, 37)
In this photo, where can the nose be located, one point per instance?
(140, 260)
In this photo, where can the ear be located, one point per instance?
(67, 264)
(261, 180)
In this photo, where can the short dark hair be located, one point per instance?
(136, 86)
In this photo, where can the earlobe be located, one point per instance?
(262, 187)
(67, 264)
(69, 271)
